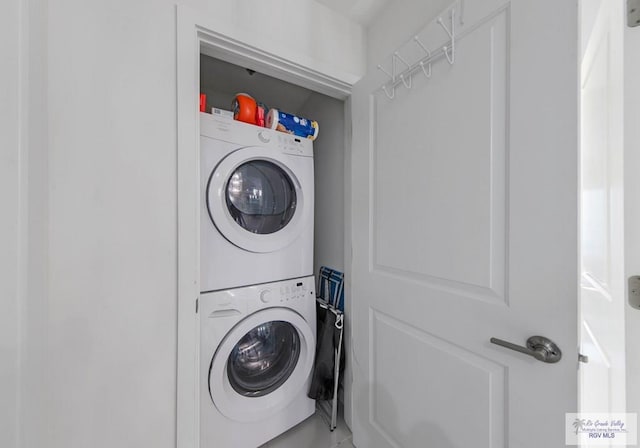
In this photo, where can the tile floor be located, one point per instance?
(314, 433)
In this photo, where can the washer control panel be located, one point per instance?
(284, 292)
(297, 290)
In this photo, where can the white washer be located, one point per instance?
(257, 346)
(256, 222)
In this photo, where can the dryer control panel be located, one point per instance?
(244, 134)
(292, 144)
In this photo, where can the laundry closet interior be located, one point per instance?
(256, 183)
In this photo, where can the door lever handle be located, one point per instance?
(541, 348)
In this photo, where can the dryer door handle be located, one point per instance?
(224, 313)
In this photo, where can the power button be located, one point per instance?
(265, 295)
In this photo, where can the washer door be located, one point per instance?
(262, 364)
(255, 200)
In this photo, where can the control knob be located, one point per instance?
(265, 137)
(265, 296)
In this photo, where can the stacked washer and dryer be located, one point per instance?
(257, 307)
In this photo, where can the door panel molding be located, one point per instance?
(483, 379)
(436, 256)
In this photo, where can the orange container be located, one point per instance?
(244, 108)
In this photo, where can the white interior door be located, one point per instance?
(602, 330)
(632, 211)
(465, 227)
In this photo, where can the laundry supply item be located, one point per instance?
(292, 124)
(330, 357)
(331, 287)
(244, 108)
(328, 363)
(222, 113)
(261, 112)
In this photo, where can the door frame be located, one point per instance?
(196, 35)
(604, 24)
(631, 156)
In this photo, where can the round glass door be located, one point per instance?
(260, 200)
(262, 364)
(264, 358)
(260, 197)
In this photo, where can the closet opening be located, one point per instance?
(221, 81)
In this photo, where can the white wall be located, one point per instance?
(34, 353)
(304, 31)
(329, 154)
(632, 208)
(100, 323)
(22, 223)
(9, 218)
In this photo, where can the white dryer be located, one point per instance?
(257, 192)
(257, 347)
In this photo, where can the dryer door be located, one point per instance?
(256, 200)
(262, 364)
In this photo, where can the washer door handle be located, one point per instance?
(541, 348)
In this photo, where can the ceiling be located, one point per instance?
(361, 11)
